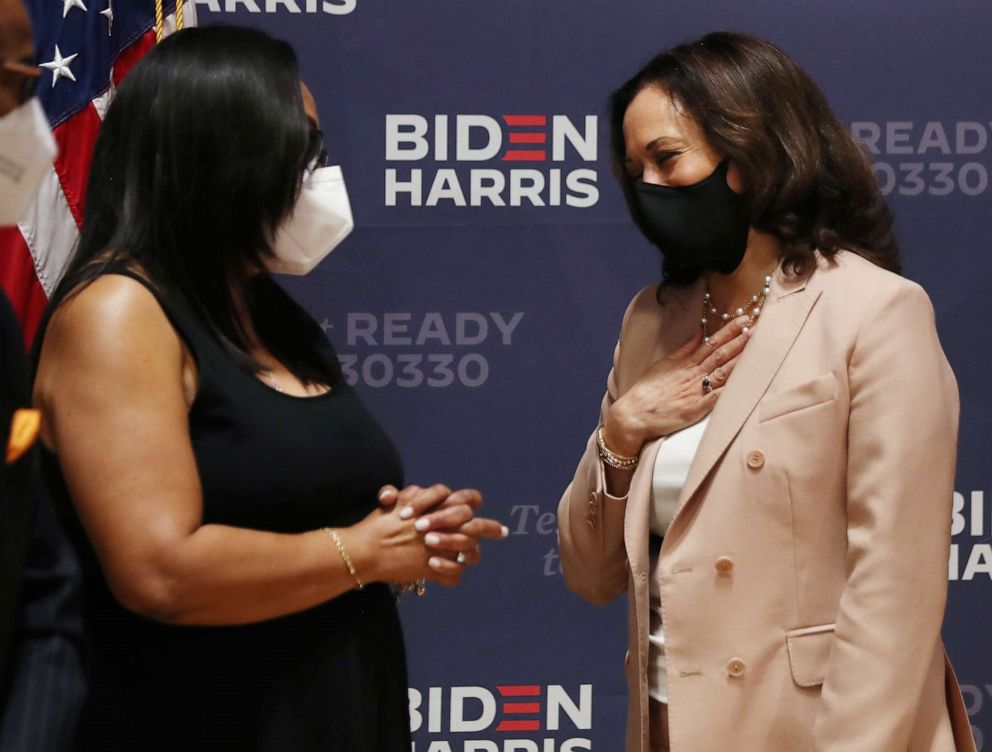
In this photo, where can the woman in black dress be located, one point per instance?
(218, 476)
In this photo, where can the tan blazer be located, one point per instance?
(804, 575)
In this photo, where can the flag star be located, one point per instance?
(108, 13)
(70, 4)
(59, 66)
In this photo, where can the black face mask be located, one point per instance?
(702, 226)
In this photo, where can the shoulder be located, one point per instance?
(642, 308)
(867, 306)
(110, 308)
(661, 309)
(660, 300)
(853, 283)
(645, 302)
(113, 324)
(860, 278)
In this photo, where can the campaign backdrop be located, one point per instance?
(477, 304)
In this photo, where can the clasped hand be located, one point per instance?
(431, 532)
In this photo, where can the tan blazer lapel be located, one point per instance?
(791, 300)
(635, 523)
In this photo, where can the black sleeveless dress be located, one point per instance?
(332, 678)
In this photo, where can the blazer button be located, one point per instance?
(724, 565)
(735, 667)
(755, 460)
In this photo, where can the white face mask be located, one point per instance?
(319, 222)
(27, 149)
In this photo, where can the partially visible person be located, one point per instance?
(220, 478)
(41, 684)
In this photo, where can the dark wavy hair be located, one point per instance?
(199, 159)
(806, 181)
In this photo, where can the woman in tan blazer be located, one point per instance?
(772, 476)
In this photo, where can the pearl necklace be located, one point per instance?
(710, 310)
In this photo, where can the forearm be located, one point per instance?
(226, 575)
(591, 533)
(621, 439)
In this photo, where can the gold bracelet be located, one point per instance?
(611, 459)
(344, 555)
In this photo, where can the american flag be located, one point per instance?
(85, 48)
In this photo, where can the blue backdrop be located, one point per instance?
(478, 301)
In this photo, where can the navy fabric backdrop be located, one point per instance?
(481, 334)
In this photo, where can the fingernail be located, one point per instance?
(406, 513)
(422, 524)
(383, 494)
(505, 530)
(434, 562)
(741, 320)
(432, 539)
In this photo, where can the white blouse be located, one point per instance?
(670, 471)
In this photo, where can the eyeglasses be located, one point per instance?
(316, 151)
(27, 74)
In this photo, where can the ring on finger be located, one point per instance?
(707, 385)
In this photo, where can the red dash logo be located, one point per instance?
(526, 137)
(520, 708)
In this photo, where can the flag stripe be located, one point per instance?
(131, 55)
(50, 231)
(76, 139)
(20, 281)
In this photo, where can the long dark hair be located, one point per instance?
(806, 181)
(199, 159)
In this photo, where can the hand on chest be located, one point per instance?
(774, 446)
